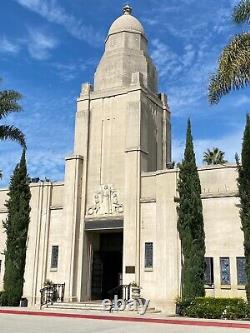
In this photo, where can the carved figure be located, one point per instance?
(106, 202)
(106, 199)
(116, 207)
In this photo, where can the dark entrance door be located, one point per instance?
(107, 265)
(97, 274)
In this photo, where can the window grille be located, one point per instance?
(54, 256)
(149, 255)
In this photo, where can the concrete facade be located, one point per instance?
(117, 183)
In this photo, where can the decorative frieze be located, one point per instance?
(106, 202)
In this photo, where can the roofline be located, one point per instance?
(177, 170)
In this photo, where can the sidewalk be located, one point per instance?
(127, 317)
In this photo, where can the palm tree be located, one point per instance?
(234, 63)
(214, 156)
(9, 103)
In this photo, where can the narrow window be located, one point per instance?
(54, 256)
(225, 271)
(241, 271)
(149, 255)
(0, 266)
(209, 271)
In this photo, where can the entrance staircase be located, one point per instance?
(52, 297)
(87, 306)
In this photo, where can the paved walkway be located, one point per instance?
(118, 319)
(19, 323)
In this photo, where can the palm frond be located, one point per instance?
(234, 68)
(214, 156)
(9, 102)
(12, 133)
(241, 12)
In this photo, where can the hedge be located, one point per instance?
(214, 308)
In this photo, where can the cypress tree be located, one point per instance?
(190, 223)
(16, 228)
(244, 193)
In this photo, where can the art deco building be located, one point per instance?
(113, 219)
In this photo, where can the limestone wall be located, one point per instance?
(158, 225)
(224, 237)
(46, 228)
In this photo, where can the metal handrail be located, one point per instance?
(52, 293)
(122, 291)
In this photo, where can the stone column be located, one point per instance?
(131, 232)
(166, 144)
(37, 244)
(72, 220)
(167, 249)
(81, 147)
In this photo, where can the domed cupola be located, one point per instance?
(126, 22)
(125, 53)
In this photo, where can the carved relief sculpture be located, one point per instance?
(106, 202)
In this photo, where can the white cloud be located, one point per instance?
(53, 12)
(150, 21)
(208, 17)
(66, 71)
(168, 62)
(44, 129)
(187, 2)
(69, 71)
(40, 44)
(7, 46)
(186, 62)
(243, 100)
(186, 74)
(41, 163)
(188, 56)
(46, 163)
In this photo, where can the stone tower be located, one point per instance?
(122, 128)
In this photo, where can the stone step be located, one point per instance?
(77, 306)
(153, 310)
(94, 306)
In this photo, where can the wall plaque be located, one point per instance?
(130, 269)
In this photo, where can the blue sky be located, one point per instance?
(49, 47)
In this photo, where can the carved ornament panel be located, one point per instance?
(106, 202)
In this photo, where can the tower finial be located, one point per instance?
(127, 10)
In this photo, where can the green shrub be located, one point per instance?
(3, 299)
(182, 305)
(215, 308)
(8, 299)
